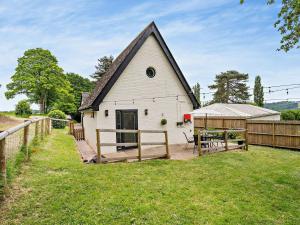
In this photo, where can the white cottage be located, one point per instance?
(143, 86)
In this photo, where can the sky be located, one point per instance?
(205, 37)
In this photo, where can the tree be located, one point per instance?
(288, 23)
(258, 92)
(39, 77)
(23, 108)
(230, 87)
(196, 90)
(79, 85)
(102, 66)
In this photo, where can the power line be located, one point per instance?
(265, 87)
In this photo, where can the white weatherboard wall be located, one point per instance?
(89, 124)
(135, 84)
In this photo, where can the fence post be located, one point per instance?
(199, 142)
(273, 134)
(139, 146)
(167, 145)
(50, 126)
(3, 161)
(42, 128)
(98, 146)
(246, 139)
(226, 140)
(36, 132)
(25, 140)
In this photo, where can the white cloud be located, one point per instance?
(206, 37)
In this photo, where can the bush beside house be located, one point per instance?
(57, 114)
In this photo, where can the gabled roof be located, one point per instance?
(105, 83)
(235, 110)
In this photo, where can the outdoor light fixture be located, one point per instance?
(146, 112)
(106, 113)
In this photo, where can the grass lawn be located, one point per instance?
(261, 186)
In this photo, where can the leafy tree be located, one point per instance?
(102, 66)
(291, 114)
(23, 108)
(230, 87)
(79, 85)
(39, 77)
(258, 92)
(288, 23)
(57, 114)
(196, 90)
(65, 102)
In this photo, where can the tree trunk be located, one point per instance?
(42, 105)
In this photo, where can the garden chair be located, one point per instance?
(188, 140)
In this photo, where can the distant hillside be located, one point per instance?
(280, 106)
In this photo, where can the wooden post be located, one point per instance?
(167, 144)
(98, 146)
(246, 139)
(199, 142)
(3, 161)
(139, 146)
(273, 134)
(50, 125)
(42, 128)
(226, 140)
(36, 132)
(70, 127)
(25, 140)
(46, 126)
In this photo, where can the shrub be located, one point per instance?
(23, 108)
(291, 115)
(57, 114)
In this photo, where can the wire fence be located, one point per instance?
(18, 138)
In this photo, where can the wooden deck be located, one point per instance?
(177, 152)
(87, 153)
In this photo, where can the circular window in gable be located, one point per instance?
(150, 72)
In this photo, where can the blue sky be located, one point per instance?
(205, 37)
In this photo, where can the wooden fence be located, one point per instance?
(19, 137)
(283, 134)
(76, 131)
(139, 144)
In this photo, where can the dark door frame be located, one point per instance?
(120, 135)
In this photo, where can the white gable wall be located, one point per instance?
(134, 85)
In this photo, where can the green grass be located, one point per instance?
(260, 186)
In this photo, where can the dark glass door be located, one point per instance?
(127, 120)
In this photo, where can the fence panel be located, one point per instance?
(285, 134)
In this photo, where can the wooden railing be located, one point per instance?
(139, 145)
(77, 132)
(283, 134)
(226, 140)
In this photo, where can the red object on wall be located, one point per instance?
(187, 118)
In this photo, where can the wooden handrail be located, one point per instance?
(12, 130)
(128, 144)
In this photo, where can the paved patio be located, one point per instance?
(177, 152)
